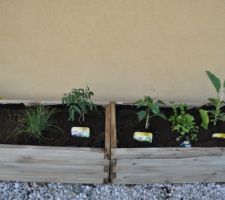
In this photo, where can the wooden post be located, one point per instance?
(107, 132)
(113, 137)
(113, 126)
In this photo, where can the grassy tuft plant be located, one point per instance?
(35, 122)
(183, 123)
(79, 101)
(151, 109)
(215, 114)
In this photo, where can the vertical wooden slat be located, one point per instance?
(113, 136)
(107, 132)
(113, 125)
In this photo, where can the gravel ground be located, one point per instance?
(54, 191)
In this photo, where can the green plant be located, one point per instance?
(183, 123)
(79, 101)
(215, 114)
(151, 109)
(35, 122)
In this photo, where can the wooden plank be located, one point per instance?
(113, 126)
(51, 178)
(160, 153)
(107, 131)
(73, 152)
(169, 165)
(170, 177)
(57, 164)
(46, 159)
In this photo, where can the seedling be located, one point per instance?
(183, 123)
(151, 110)
(35, 122)
(79, 102)
(215, 114)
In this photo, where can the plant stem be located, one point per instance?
(147, 122)
(216, 113)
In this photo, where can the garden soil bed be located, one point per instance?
(61, 158)
(127, 123)
(163, 161)
(10, 116)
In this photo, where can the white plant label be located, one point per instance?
(80, 132)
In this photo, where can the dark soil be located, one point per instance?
(10, 115)
(127, 123)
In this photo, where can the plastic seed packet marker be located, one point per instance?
(143, 136)
(218, 135)
(80, 132)
(185, 144)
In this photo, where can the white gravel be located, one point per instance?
(54, 191)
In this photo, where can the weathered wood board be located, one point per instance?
(168, 165)
(53, 164)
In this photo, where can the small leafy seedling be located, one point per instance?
(183, 123)
(79, 101)
(35, 122)
(151, 109)
(215, 114)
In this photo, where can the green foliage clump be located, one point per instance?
(183, 123)
(79, 101)
(35, 122)
(215, 114)
(151, 109)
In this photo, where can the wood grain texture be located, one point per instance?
(52, 164)
(113, 126)
(108, 131)
(168, 165)
(160, 153)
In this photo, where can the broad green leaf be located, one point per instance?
(155, 109)
(205, 118)
(213, 101)
(141, 103)
(215, 80)
(224, 84)
(148, 99)
(161, 102)
(141, 115)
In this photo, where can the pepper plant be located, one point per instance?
(214, 115)
(183, 123)
(79, 102)
(151, 109)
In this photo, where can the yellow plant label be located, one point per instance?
(219, 135)
(143, 136)
(80, 132)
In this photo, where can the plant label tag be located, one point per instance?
(218, 135)
(185, 144)
(143, 136)
(80, 132)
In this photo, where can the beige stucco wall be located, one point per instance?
(122, 49)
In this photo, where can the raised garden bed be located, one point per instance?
(61, 158)
(162, 161)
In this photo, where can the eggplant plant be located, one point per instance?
(214, 115)
(150, 109)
